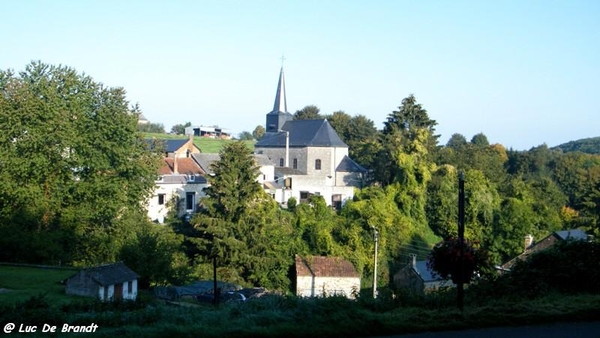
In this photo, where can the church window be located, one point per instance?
(295, 163)
(317, 164)
(281, 162)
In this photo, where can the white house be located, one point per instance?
(318, 276)
(180, 178)
(106, 282)
(309, 157)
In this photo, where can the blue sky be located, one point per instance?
(522, 72)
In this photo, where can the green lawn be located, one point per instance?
(21, 283)
(206, 145)
(274, 316)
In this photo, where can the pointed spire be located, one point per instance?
(280, 105)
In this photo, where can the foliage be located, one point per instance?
(258, 132)
(74, 170)
(587, 145)
(447, 256)
(150, 128)
(245, 136)
(179, 129)
(310, 112)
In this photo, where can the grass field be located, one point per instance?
(20, 283)
(206, 145)
(274, 316)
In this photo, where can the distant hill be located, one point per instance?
(586, 145)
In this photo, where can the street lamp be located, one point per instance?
(376, 239)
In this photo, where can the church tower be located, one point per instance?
(279, 115)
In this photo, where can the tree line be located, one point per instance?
(76, 173)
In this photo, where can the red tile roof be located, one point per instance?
(184, 166)
(320, 266)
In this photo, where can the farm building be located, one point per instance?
(325, 276)
(417, 278)
(107, 282)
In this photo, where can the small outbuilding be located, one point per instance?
(417, 278)
(325, 276)
(106, 282)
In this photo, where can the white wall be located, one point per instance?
(308, 286)
(159, 212)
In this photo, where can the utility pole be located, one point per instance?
(376, 238)
(460, 292)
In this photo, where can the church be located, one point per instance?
(309, 157)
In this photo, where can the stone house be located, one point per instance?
(309, 157)
(318, 276)
(417, 278)
(106, 282)
(532, 247)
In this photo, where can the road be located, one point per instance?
(557, 330)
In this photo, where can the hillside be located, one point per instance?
(206, 145)
(586, 145)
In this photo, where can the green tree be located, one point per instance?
(179, 129)
(246, 136)
(158, 128)
(73, 165)
(310, 112)
(400, 131)
(480, 140)
(258, 132)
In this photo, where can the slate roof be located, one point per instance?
(205, 160)
(303, 133)
(348, 165)
(423, 271)
(320, 266)
(110, 274)
(574, 234)
(168, 146)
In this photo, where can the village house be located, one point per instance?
(309, 157)
(532, 247)
(106, 282)
(418, 278)
(180, 180)
(318, 276)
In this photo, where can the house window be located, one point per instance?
(295, 163)
(281, 162)
(336, 201)
(304, 195)
(161, 199)
(129, 287)
(190, 198)
(105, 293)
(317, 164)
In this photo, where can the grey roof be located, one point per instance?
(423, 271)
(303, 133)
(263, 160)
(168, 145)
(110, 274)
(205, 160)
(574, 234)
(172, 145)
(280, 105)
(348, 165)
(183, 179)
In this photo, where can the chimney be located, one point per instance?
(528, 242)
(175, 168)
(413, 260)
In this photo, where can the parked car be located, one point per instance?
(226, 297)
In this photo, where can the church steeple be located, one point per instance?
(280, 105)
(279, 115)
